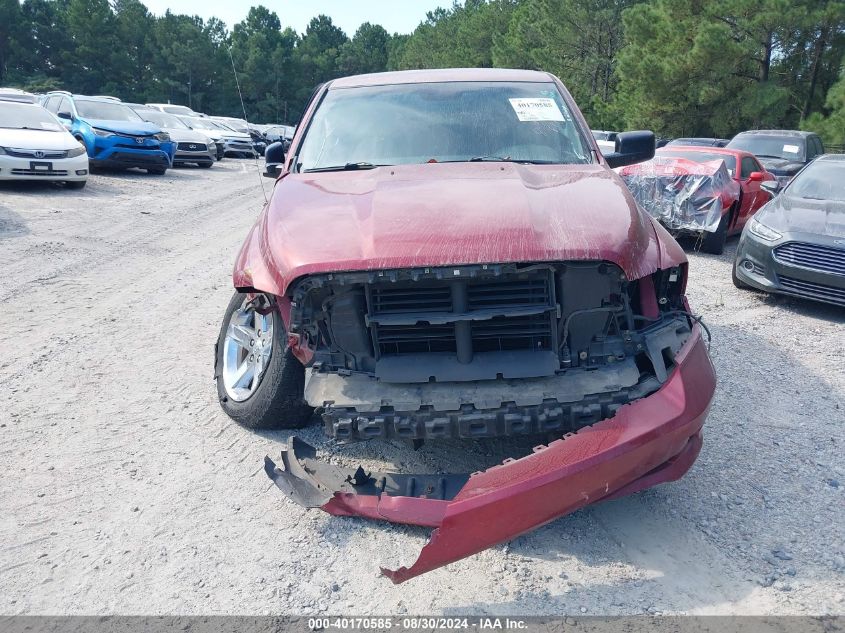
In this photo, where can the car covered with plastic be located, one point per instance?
(447, 255)
(710, 192)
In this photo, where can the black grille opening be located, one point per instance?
(417, 298)
(516, 333)
(516, 292)
(814, 256)
(415, 339)
(508, 328)
(813, 290)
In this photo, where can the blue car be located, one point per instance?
(113, 133)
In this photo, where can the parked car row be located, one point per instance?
(103, 131)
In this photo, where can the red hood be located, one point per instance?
(444, 214)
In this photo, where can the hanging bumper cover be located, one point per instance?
(653, 440)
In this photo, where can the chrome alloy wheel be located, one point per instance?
(246, 350)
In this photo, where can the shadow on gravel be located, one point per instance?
(805, 307)
(689, 244)
(26, 187)
(11, 224)
(141, 175)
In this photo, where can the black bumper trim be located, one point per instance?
(551, 416)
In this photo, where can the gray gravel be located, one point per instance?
(126, 490)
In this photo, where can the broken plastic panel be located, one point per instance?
(653, 440)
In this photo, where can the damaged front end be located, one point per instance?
(614, 368)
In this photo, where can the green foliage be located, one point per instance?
(462, 36)
(705, 68)
(577, 40)
(680, 67)
(366, 52)
(831, 127)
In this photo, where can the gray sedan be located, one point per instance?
(795, 244)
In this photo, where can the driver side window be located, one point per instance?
(748, 165)
(52, 105)
(64, 105)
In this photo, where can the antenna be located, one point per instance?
(243, 107)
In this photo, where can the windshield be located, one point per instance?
(24, 116)
(821, 180)
(788, 147)
(234, 125)
(105, 110)
(177, 109)
(200, 124)
(162, 119)
(225, 127)
(703, 157)
(454, 121)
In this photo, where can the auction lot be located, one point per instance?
(127, 490)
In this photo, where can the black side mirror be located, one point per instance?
(772, 187)
(274, 158)
(632, 147)
(65, 115)
(286, 143)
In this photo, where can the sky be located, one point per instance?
(396, 16)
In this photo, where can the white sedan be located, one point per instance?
(35, 146)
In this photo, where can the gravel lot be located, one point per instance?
(126, 490)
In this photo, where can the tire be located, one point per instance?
(76, 184)
(277, 401)
(205, 165)
(736, 280)
(714, 243)
(157, 171)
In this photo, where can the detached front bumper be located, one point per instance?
(650, 441)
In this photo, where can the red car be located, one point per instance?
(447, 254)
(689, 190)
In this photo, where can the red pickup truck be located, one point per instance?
(447, 254)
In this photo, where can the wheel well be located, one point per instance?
(733, 212)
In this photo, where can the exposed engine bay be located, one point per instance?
(484, 350)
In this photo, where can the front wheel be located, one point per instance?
(714, 243)
(75, 184)
(157, 171)
(260, 383)
(736, 280)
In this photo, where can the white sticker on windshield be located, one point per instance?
(791, 149)
(46, 125)
(536, 110)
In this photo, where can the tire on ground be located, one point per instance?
(278, 400)
(714, 243)
(736, 280)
